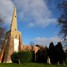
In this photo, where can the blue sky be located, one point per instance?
(37, 19)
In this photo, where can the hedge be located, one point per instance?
(23, 56)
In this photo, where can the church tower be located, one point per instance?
(12, 42)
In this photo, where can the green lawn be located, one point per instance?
(31, 65)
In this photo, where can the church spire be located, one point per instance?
(14, 21)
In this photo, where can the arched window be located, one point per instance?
(15, 36)
(15, 29)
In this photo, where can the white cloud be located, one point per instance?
(6, 10)
(46, 41)
(31, 25)
(35, 12)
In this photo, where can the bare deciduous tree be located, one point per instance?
(2, 31)
(63, 18)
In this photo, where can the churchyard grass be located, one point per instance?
(31, 65)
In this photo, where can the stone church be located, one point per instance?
(13, 42)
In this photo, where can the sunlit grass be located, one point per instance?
(31, 65)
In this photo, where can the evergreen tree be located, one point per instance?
(42, 55)
(60, 54)
(51, 53)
